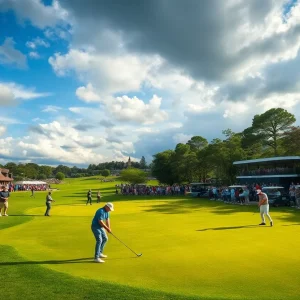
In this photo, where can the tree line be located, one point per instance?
(22, 171)
(271, 134)
(118, 165)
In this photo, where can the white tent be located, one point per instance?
(34, 182)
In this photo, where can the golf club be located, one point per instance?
(138, 255)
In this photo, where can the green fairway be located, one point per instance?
(191, 248)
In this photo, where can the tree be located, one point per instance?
(63, 169)
(271, 126)
(105, 172)
(291, 141)
(181, 166)
(42, 176)
(46, 170)
(161, 167)
(133, 176)
(251, 143)
(60, 176)
(143, 164)
(30, 171)
(197, 143)
(12, 167)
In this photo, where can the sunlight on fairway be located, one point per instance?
(189, 246)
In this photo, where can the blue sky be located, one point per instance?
(91, 81)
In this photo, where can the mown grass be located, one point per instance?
(191, 248)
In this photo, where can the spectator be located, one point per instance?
(98, 197)
(49, 201)
(89, 197)
(4, 195)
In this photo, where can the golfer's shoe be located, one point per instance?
(103, 255)
(262, 224)
(0, 215)
(98, 260)
(5, 215)
(271, 223)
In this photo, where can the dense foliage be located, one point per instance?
(133, 176)
(271, 133)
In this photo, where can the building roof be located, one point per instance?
(4, 178)
(268, 159)
(35, 182)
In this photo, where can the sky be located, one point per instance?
(84, 82)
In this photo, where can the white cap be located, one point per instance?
(110, 205)
(258, 191)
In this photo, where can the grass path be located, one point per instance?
(191, 248)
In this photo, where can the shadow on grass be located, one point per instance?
(188, 205)
(26, 215)
(58, 262)
(230, 228)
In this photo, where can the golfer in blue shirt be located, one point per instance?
(101, 223)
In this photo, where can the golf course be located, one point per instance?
(191, 248)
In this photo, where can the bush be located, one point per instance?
(42, 176)
(60, 176)
(105, 172)
(133, 176)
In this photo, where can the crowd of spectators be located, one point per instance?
(243, 194)
(149, 190)
(27, 187)
(267, 171)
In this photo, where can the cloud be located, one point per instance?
(54, 34)
(83, 127)
(2, 129)
(9, 121)
(39, 130)
(104, 74)
(242, 35)
(36, 12)
(34, 55)
(87, 94)
(37, 120)
(11, 56)
(57, 142)
(106, 123)
(37, 42)
(51, 108)
(11, 92)
(6, 95)
(134, 109)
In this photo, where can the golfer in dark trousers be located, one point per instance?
(89, 197)
(49, 201)
(100, 225)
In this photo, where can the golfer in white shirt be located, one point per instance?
(264, 207)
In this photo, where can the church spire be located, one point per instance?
(129, 163)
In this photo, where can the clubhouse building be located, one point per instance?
(5, 177)
(276, 170)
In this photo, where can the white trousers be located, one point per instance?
(264, 210)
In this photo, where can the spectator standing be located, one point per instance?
(246, 196)
(292, 193)
(49, 201)
(4, 195)
(89, 197)
(32, 192)
(98, 197)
